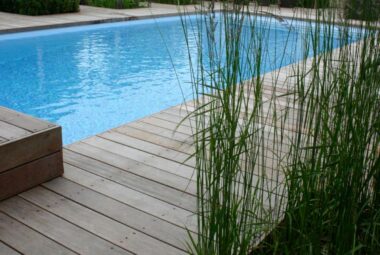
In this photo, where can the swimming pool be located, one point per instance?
(92, 78)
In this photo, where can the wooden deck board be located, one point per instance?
(135, 167)
(58, 229)
(26, 240)
(138, 183)
(156, 139)
(149, 147)
(12, 132)
(140, 201)
(23, 121)
(113, 231)
(173, 127)
(6, 250)
(130, 216)
(143, 157)
(160, 131)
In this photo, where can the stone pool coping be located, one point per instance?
(13, 23)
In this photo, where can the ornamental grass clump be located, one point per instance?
(235, 162)
(332, 170)
(286, 163)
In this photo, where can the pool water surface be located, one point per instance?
(92, 78)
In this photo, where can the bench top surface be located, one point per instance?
(15, 125)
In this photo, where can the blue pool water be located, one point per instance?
(92, 78)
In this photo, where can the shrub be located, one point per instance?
(175, 1)
(362, 9)
(305, 3)
(115, 4)
(267, 2)
(39, 7)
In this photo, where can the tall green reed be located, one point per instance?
(288, 163)
(232, 161)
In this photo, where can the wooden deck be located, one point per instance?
(129, 190)
(125, 191)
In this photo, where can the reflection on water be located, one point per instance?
(90, 81)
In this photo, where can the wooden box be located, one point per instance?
(30, 152)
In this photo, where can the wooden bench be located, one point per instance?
(30, 152)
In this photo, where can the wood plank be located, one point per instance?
(12, 132)
(170, 115)
(59, 230)
(6, 250)
(269, 105)
(266, 118)
(133, 198)
(175, 118)
(23, 121)
(27, 240)
(135, 167)
(168, 125)
(280, 100)
(156, 139)
(120, 212)
(188, 126)
(143, 157)
(180, 112)
(143, 185)
(31, 174)
(150, 148)
(15, 153)
(119, 234)
(183, 138)
(272, 138)
(269, 155)
(267, 124)
(2, 140)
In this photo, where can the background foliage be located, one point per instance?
(39, 7)
(115, 4)
(176, 1)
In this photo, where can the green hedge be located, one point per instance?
(267, 2)
(305, 3)
(362, 9)
(39, 7)
(175, 1)
(115, 4)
